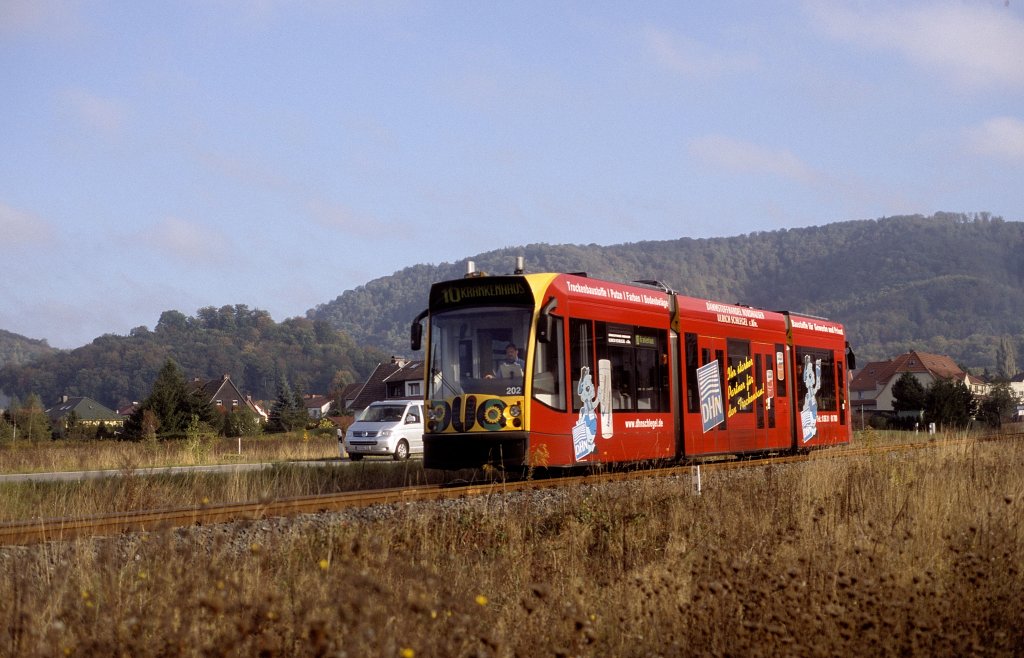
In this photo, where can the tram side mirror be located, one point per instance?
(851, 358)
(416, 331)
(546, 323)
(415, 336)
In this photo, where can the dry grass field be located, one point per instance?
(916, 553)
(65, 455)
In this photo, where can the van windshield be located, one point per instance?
(383, 413)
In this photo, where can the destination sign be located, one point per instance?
(480, 291)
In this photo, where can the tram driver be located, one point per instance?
(511, 367)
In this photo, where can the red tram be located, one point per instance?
(565, 370)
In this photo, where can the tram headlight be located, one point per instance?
(515, 411)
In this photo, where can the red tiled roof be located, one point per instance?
(874, 375)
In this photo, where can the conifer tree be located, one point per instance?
(288, 411)
(171, 403)
(1006, 358)
(908, 394)
(31, 420)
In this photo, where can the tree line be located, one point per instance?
(948, 284)
(245, 343)
(949, 404)
(172, 410)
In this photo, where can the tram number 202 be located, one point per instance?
(513, 390)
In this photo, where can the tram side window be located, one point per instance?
(648, 379)
(548, 374)
(651, 370)
(635, 354)
(841, 378)
(623, 386)
(615, 343)
(692, 394)
(581, 354)
(758, 378)
(815, 370)
(780, 375)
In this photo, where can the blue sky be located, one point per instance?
(174, 155)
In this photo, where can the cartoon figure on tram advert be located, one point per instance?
(585, 430)
(809, 413)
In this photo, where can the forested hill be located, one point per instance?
(950, 283)
(244, 343)
(16, 349)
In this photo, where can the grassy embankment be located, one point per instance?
(45, 456)
(135, 489)
(917, 553)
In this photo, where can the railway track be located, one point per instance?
(45, 530)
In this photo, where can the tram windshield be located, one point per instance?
(478, 350)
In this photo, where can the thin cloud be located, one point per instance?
(57, 18)
(186, 240)
(341, 218)
(746, 157)
(104, 115)
(256, 16)
(847, 190)
(693, 58)
(333, 215)
(21, 227)
(1001, 137)
(245, 170)
(976, 45)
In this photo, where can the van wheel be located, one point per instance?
(401, 451)
(355, 458)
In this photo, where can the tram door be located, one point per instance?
(744, 409)
(752, 405)
(777, 400)
(771, 404)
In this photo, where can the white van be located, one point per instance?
(389, 427)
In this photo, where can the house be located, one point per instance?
(225, 397)
(399, 379)
(317, 406)
(128, 409)
(348, 394)
(86, 412)
(406, 382)
(871, 389)
(1017, 387)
